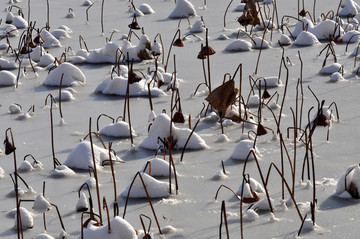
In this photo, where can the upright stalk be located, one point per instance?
(95, 172)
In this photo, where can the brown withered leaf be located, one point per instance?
(222, 97)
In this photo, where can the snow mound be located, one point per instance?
(41, 204)
(260, 43)
(27, 220)
(118, 86)
(159, 168)
(349, 182)
(117, 129)
(62, 171)
(81, 156)
(243, 148)
(72, 76)
(44, 236)
(255, 185)
(238, 45)
(330, 69)
(120, 229)
(183, 8)
(146, 9)
(155, 188)
(49, 40)
(160, 128)
(306, 39)
(7, 78)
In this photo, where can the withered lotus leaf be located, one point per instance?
(223, 96)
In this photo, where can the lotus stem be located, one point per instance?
(223, 214)
(272, 165)
(223, 166)
(143, 224)
(226, 10)
(105, 206)
(52, 100)
(98, 136)
(261, 176)
(95, 171)
(98, 118)
(87, 12)
(187, 141)
(148, 197)
(83, 40)
(87, 221)
(172, 42)
(116, 206)
(102, 17)
(162, 45)
(283, 100)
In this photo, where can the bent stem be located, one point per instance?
(143, 224)
(52, 100)
(18, 220)
(272, 165)
(172, 42)
(105, 206)
(147, 195)
(187, 141)
(98, 118)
